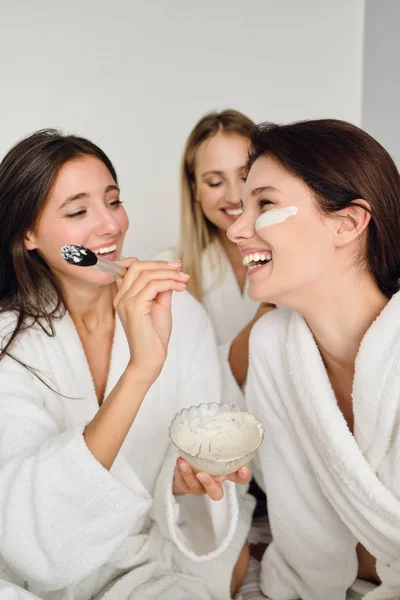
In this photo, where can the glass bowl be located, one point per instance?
(216, 438)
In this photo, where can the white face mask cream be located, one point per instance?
(220, 437)
(274, 216)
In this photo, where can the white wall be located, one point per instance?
(135, 77)
(381, 97)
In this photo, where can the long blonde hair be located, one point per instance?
(196, 231)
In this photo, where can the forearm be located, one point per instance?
(239, 354)
(105, 434)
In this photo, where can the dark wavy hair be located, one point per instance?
(27, 175)
(341, 163)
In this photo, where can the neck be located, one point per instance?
(90, 308)
(340, 316)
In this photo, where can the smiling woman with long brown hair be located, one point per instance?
(92, 373)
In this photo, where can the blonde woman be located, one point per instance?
(213, 173)
(212, 176)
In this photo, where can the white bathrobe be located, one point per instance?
(327, 489)
(229, 309)
(70, 529)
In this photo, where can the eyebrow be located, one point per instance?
(221, 172)
(266, 188)
(70, 199)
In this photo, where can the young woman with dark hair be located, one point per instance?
(320, 235)
(92, 504)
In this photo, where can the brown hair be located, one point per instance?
(27, 175)
(342, 163)
(196, 231)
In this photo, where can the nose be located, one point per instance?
(234, 192)
(106, 224)
(242, 229)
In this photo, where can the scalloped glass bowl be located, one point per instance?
(216, 438)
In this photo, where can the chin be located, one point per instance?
(104, 279)
(221, 227)
(97, 278)
(260, 294)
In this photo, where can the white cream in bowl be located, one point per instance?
(216, 438)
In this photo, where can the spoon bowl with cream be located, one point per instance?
(216, 438)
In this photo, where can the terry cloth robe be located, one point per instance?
(327, 489)
(72, 530)
(229, 309)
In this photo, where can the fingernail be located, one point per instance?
(243, 472)
(175, 263)
(184, 275)
(203, 477)
(183, 467)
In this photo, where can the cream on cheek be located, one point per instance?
(274, 216)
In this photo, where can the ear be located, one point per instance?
(351, 222)
(30, 240)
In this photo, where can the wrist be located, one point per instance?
(139, 377)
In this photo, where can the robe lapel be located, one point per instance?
(120, 355)
(73, 372)
(369, 508)
(376, 392)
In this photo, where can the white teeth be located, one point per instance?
(256, 257)
(106, 249)
(233, 212)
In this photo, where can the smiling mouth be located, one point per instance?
(106, 251)
(257, 259)
(232, 212)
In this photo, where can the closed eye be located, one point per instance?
(77, 214)
(113, 204)
(262, 203)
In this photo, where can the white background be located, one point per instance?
(381, 89)
(134, 77)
